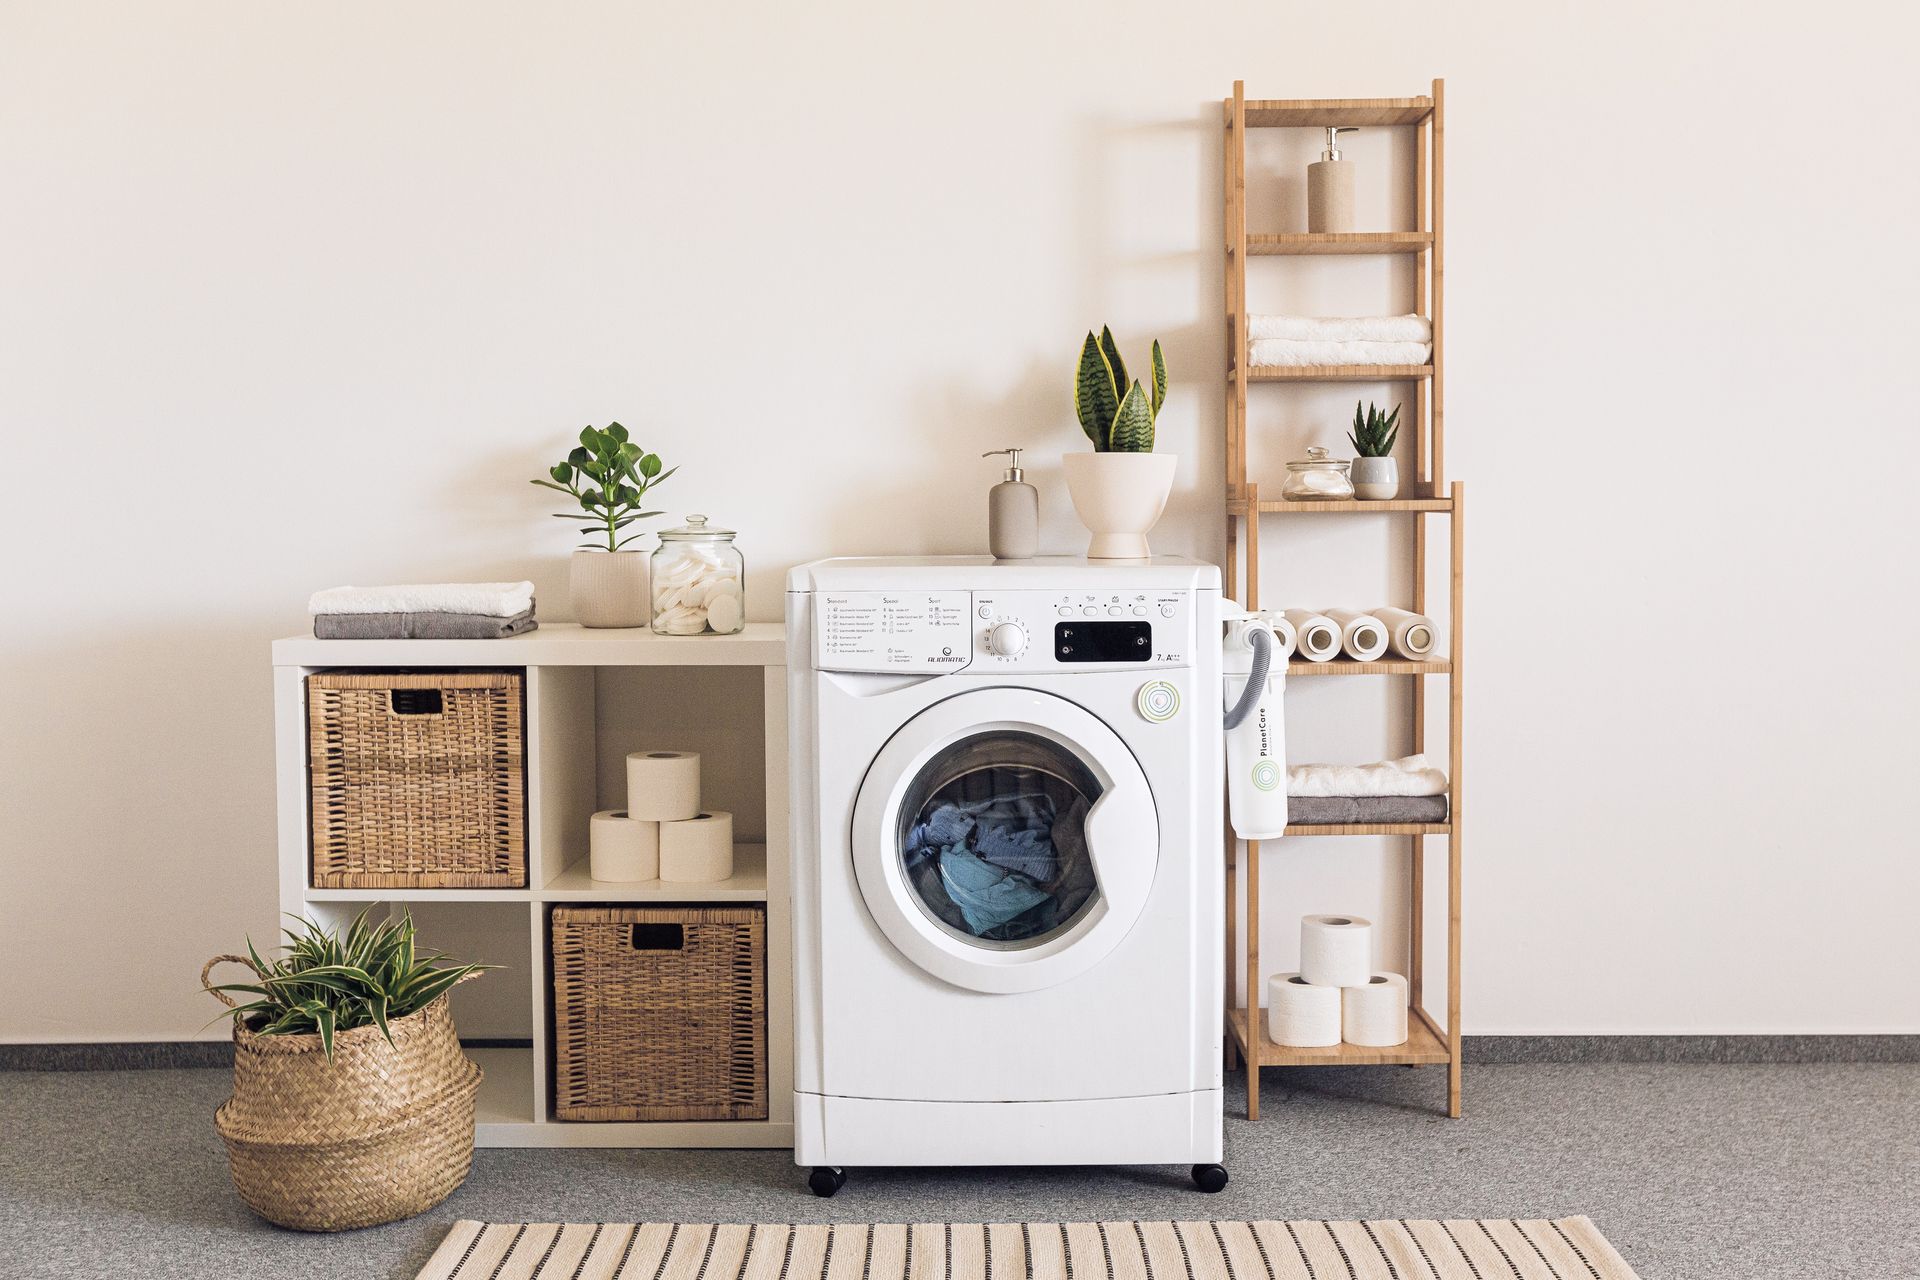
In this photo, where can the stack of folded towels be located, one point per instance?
(434, 611)
(1312, 340)
(1404, 790)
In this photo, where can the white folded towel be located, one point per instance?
(1409, 776)
(486, 599)
(1408, 328)
(1295, 354)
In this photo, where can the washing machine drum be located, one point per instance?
(1005, 840)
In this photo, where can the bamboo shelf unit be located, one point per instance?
(1426, 492)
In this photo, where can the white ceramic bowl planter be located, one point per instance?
(1119, 497)
(609, 588)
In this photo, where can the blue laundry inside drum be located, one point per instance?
(999, 853)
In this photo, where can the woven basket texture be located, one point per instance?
(418, 779)
(660, 1013)
(382, 1132)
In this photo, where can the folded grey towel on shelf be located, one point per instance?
(1348, 810)
(427, 625)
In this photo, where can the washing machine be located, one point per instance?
(1007, 867)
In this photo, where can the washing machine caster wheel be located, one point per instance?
(825, 1180)
(1209, 1178)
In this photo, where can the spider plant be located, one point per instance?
(325, 984)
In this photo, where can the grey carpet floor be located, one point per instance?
(1695, 1172)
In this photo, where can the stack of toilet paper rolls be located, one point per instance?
(1336, 996)
(663, 833)
(1362, 635)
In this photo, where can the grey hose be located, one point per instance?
(1262, 641)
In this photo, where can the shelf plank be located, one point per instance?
(748, 884)
(1371, 829)
(1319, 373)
(551, 644)
(1382, 667)
(1423, 1046)
(1338, 242)
(1350, 506)
(1319, 113)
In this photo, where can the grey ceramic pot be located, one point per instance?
(1375, 479)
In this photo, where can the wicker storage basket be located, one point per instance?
(381, 1133)
(659, 1013)
(419, 780)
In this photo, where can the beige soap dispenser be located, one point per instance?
(1013, 512)
(1330, 186)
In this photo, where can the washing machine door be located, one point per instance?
(1005, 840)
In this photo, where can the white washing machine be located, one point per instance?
(1007, 875)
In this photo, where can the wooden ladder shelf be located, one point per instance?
(1427, 492)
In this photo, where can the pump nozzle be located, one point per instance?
(1333, 140)
(1013, 470)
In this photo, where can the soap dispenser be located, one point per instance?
(1330, 187)
(1013, 512)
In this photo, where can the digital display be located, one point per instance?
(1103, 641)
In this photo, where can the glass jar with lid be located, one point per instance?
(1318, 477)
(699, 581)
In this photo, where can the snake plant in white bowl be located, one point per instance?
(1121, 487)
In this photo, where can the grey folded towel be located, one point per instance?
(420, 626)
(1346, 810)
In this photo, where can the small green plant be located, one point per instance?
(327, 984)
(607, 475)
(1117, 416)
(1373, 432)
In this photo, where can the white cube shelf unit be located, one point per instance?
(591, 696)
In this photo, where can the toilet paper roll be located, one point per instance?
(663, 786)
(698, 850)
(1408, 634)
(1375, 1014)
(1362, 636)
(1316, 636)
(1335, 951)
(1302, 1016)
(1285, 641)
(622, 848)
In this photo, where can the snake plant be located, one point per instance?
(1116, 414)
(327, 984)
(1374, 432)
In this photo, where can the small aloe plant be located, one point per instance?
(1374, 432)
(1116, 414)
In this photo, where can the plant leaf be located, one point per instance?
(1111, 350)
(617, 432)
(1093, 396)
(1159, 379)
(1133, 423)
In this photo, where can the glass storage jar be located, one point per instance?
(699, 581)
(1318, 477)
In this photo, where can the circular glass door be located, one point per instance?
(993, 838)
(1005, 840)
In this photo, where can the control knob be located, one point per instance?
(1007, 640)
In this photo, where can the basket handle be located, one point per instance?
(222, 996)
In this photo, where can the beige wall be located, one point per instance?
(296, 295)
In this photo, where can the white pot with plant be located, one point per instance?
(607, 475)
(1120, 489)
(352, 1101)
(1375, 475)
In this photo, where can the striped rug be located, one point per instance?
(1460, 1249)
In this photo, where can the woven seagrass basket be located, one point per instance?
(418, 779)
(381, 1133)
(659, 1013)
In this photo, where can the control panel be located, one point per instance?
(940, 631)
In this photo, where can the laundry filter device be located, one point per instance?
(1008, 888)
